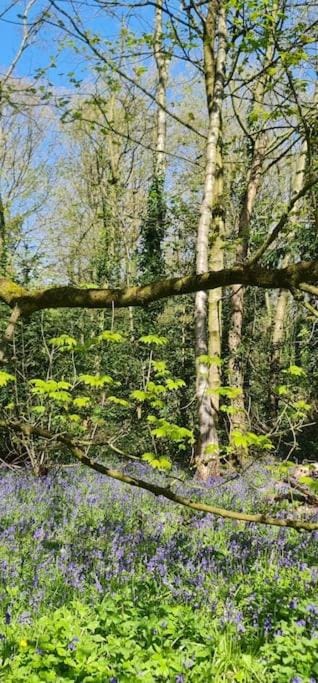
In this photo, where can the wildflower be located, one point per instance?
(301, 622)
(23, 643)
(73, 643)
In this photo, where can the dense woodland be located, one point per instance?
(159, 313)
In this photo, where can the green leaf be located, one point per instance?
(96, 381)
(228, 392)
(246, 439)
(168, 430)
(139, 395)
(175, 383)
(109, 335)
(82, 401)
(5, 378)
(205, 359)
(153, 339)
(61, 396)
(158, 463)
(64, 342)
(38, 410)
(295, 370)
(302, 406)
(119, 401)
(49, 386)
(155, 389)
(160, 367)
(282, 390)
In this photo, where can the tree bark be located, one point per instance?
(236, 367)
(216, 262)
(161, 62)
(278, 327)
(236, 371)
(214, 31)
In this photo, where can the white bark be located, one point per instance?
(161, 62)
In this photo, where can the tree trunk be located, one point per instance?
(278, 328)
(236, 368)
(216, 262)
(236, 372)
(161, 62)
(2, 239)
(214, 79)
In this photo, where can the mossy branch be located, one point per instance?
(29, 301)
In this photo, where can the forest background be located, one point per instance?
(158, 301)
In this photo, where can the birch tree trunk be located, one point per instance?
(161, 62)
(214, 48)
(216, 262)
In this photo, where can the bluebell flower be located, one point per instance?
(301, 622)
(73, 644)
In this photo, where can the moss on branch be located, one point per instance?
(29, 301)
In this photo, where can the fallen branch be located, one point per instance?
(155, 489)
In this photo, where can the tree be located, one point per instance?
(115, 128)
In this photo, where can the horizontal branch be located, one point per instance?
(166, 492)
(28, 301)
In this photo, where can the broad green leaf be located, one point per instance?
(153, 339)
(5, 377)
(160, 367)
(139, 395)
(156, 389)
(38, 410)
(295, 370)
(109, 335)
(118, 401)
(63, 342)
(282, 390)
(60, 396)
(157, 462)
(168, 430)
(82, 401)
(175, 383)
(228, 392)
(96, 380)
(302, 405)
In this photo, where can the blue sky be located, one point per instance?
(44, 47)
